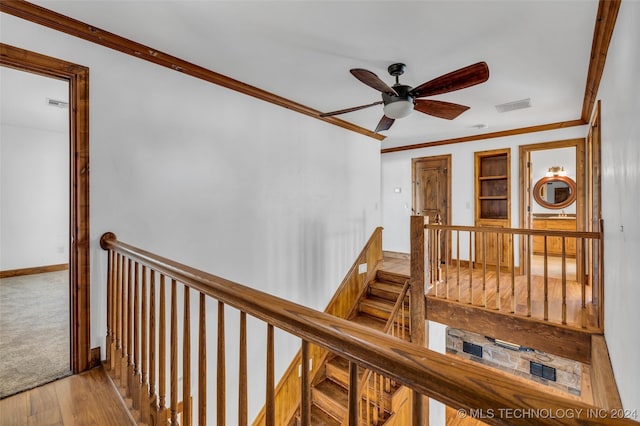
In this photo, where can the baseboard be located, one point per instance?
(94, 357)
(603, 381)
(35, 270)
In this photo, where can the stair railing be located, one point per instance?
(480, 269)
(136, 338)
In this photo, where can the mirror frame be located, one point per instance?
(543, 181)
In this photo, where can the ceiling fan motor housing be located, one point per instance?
(398, 106)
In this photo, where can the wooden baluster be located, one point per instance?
(305, 385)
(135, 388)
(546, 282)
(498, 300)
(376, 397)
(221, 369)
(202, 361)
(470, 268)
(162, 355)
(186, 359)
(564, 281)
(144, 389)
(117, 367)
(368, 388)
(583, 284)
(529, 275)
(484, 268)
(109, 343)
(513, 275)
(130, 347)
(381, 393)
(242, 385)
(446, 260)
(353, 396)
(173, 369)
(124, 374)
(152, 399)
(270, 406)
(458, 266)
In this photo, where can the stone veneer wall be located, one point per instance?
(568, 372)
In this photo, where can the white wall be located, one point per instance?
(34, 197)
(220, 181)
(396, 173)
(620, 95)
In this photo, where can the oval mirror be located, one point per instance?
(555, 192)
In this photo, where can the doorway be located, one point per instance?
(431, 178)
(77, 77)
(543, 167)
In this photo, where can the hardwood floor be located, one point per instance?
(84, 399)
(458, 288)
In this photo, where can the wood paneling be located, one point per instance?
(78, 78)
(65, 24)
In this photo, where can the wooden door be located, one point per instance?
(431, 194)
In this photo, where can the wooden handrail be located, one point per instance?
(520, 231)
(460, 384)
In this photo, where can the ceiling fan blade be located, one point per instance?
(372, 80)
(344, 111)
(455, 80)
(384, 124)
(446, 110)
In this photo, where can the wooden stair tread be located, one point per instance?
(320, 418)
(369, 321)
(331, 398)
(391, 277)
(385, 290)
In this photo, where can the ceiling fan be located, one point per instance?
(399, 100)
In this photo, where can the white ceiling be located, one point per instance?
(303, 50)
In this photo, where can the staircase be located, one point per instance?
(380, 396)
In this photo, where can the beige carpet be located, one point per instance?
(34, 331)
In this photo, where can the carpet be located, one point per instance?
(34, 331)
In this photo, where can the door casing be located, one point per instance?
(78, 78)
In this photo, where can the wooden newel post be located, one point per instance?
(418, 280)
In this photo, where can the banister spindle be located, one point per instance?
(130, 347)
(470, 267)
(564, 281)
(498, 256)
(546, 282)
(484, 268)
(173, 370)
(243, 416)
(144, 389)
(513, 274)
(117, 367)
(202, 361)
(152, 401)
(162, 352)
(305, 385)
(458, 266)
(528, 261)
(270, 407)
(186, 359)
(135, 388)
(109, 345)
(353, 397)
(124, 373)
(221, 369)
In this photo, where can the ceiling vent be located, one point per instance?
(512, 106)
(57, 103)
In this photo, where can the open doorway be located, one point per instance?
(552, 195)
(34, 224)
(77, 78)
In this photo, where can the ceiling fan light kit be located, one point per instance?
(400, 100)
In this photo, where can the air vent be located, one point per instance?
(512, 106)
(541, 370)
(57, 103)
(472, 349)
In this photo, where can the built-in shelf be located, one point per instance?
(492, 177)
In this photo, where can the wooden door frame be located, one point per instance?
(524, 155)
(414, 162)
(78, 78)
